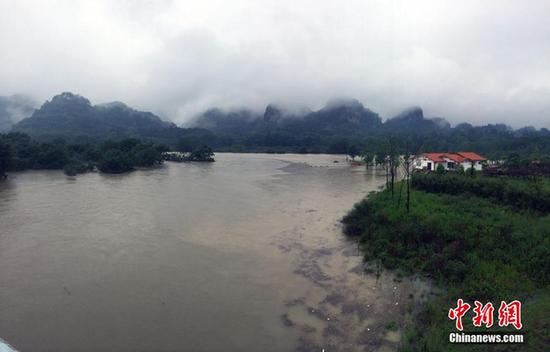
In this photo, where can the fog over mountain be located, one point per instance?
(468, 61)
(14, 109)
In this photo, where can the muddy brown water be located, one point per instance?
(245, 254)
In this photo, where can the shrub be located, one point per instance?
(520, 194)
(114, 162)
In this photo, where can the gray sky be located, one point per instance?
(476, 61)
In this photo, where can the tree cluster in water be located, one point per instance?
(204, 153)
(19, 152)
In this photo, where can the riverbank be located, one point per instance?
(473, 247)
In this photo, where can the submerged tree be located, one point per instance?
(115, 162)
(204, 153)
(353, 151)
(5, 156)
(368, 157)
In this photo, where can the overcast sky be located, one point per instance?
(476, 61)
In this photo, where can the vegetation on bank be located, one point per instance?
(204, 153)
(474, 242)
(19, 152)
(520, 194)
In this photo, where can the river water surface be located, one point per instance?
(244, 254)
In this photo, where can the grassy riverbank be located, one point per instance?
(474, 247)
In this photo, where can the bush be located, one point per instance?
(115, 162)
(517, 193)
(474, 247)
(203, 153)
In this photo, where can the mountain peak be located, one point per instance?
(343, 102)
(72, 114)
(412, 113)
(114, 105)
(272, 113)
(70, 97)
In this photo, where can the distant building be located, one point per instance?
(450, 161)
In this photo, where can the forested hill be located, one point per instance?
(70, 115)
(343, 126)
(340, 127)
(343, 117)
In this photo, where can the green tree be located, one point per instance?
(368, 157)
(440, 170)
(204, 153)
(5, 158)
(353, 151)
(114, 162)
(146, 155)
(51, 156)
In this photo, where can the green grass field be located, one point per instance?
(473, 248)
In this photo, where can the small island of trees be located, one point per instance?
(20, 152)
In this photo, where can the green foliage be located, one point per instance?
(5, 158)
(203, 153)
(114, 162)
(19, 152)
(440, 170)
(392, 326)
(368, 157)
(353, 151)
(521, 194)
(477, 248)
(146, 155)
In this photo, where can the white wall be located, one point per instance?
(421, 163)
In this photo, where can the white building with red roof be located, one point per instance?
(450, 161)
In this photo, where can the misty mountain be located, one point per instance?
(69, 114)
(216, 120)
(413, 120)
(340, 117)
(335, 128)
(13, 109)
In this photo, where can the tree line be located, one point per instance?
(20, 152)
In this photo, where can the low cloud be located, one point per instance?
(480, 62)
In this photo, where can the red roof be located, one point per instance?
(434, 156)
(440, 157)
(456, 157)
(471, 156)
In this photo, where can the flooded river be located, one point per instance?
(245, 254)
